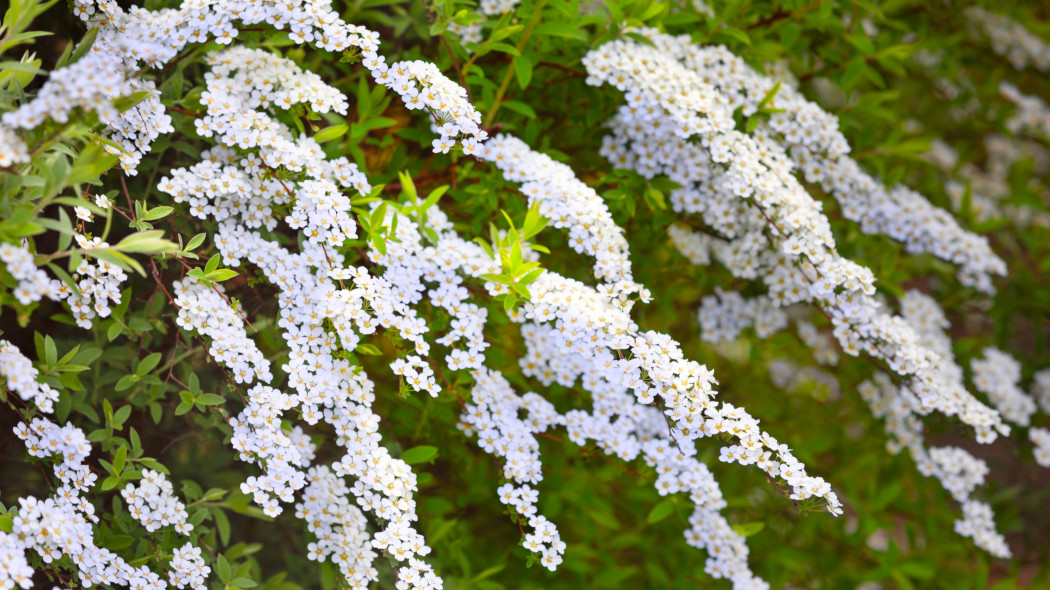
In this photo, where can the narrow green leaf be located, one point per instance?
(523, 70)
(120, 459)
(660, 511)
(419, 454)
(330, 133)
(748, 528)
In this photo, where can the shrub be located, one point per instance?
(403, 294)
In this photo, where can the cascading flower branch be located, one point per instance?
(522, 346)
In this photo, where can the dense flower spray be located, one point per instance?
(741, 203)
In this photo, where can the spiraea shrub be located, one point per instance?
(524, 294)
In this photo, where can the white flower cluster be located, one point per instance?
(188, 568)
(1040, 437)
(258, 435)
(259, 438)
(241, 82)
(724, 315)
(56, 527)
(812, 139)
(824, 349)
(989, 186)
(472, 33)
(44, 438)
(505, 424)
(696, 247)
(1041, 389)
(340, 527)
(589, 324)
(12, 149)
(652, 402)
(790, 377)
(309, 296)
(1010, 39)
(978, 522)
(926, 316)
(1032, 115)
(204, 310)
(422, 86)
(153, 503)
(14, 569)
(331, 389)
(744, 188)
(155, 37)
(997, 375)
(957, 470)
(33, 283)
(624, 423)
(568, 204)
(325, 387)
(92, 84)
(62, 524)
(98, 284)
(21, 378)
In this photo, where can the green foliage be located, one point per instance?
(149, 395)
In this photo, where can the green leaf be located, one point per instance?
(210, 399)
(330, 133)
(123, 103)
(853, 73)
(195, 241)
(222, 567)
(147, 242)
(368, 349)
(158, 213)
(117, 542)
(433, 197)
(120, 460)
(520, 108)
(504, 48)
(654, 198)
(84, 46)
(121, 416)
(420, 454)
(729, 34)
(153, 464)
(222, 524)
(530, 276)
(862, 43)
(50, 352)
(748, 528)
(559, 29)
(118, 258)
(220, 275)
(660, 511)
(148, 364)
(523, 70)
(652, 10)
(213, 263)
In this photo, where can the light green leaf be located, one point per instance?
(419, 454)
